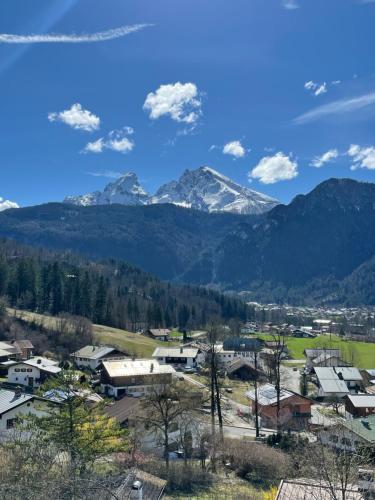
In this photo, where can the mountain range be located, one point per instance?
(202, 189)
(318, 249)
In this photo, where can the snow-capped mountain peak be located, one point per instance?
(208, 190)
(126, 190)
(202, 189)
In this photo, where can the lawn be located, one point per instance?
(133, 343)
(224, 489)
(362, 353)
(238, 387)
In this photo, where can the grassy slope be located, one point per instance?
(363, 353)
(131, 342)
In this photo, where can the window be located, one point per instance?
(29, 370)
(16, 369)
(23, 369)
(10, 423)
(333, 438)
(346, 441)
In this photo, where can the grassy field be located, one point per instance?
(238, 387)
(132, 343)
(361, 353)
(225, 489)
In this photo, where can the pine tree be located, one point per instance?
(100, 302)
(56, 289)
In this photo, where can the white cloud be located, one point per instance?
(101, 36)
(271, 169)
(335, 82)
(110, 174)
(181, 101)
(336, 108)
(95, 146)
(77, 118)
(5, 204)
(363, 157)
(328, 156)
(316, 88)
(290, 4)
(235, 149)
(117, 140)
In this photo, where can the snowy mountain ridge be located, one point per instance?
(202, 189)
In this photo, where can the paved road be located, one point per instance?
(290, 379)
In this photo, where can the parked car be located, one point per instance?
(188, 369)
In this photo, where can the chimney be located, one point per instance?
(181, 350)
(137, 486)
(151, 367)
(39, 361)
(17, 392)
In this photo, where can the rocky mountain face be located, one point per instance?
(319, 248)
(126, 191)
(202, 189)
(208, 190)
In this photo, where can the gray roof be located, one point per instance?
(93, 351)
(314, 353)
(341, 373)
(362, 400)
(175, 352)
(43, 364)
(132, 368)
(362, 427)
(334, 386)
(310, 489)
(324, 357)
(123, 488)
(8, 400)
(267, 395)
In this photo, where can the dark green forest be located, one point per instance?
(110, 292)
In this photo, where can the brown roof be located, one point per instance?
(238, 363)
(23, 344)
(159, 332)
(124, 408)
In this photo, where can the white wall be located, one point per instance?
(22, 377)
(37, 408)
(92, 364)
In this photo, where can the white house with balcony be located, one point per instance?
(92, 356)
(188, 357)
(32, 372)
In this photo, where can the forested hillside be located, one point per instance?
(111, 292)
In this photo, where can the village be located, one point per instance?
(225, 387)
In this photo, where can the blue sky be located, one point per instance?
(280, 82)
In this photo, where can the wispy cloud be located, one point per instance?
(316, 88)
(339, 107)
(109, 174)
(76, 117)
(326, 157)
(290, 4)
(101, 36)
(117, 140)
